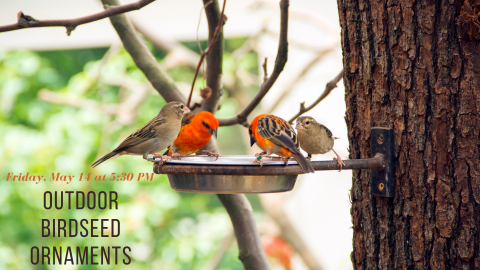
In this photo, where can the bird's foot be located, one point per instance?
(162, 158)
(259, 160)
(177, 156)
(339, 160)
(274, 158)
(208, 153)
(286, 161)
(260, 154)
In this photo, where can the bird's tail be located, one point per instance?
(304, 164)
(102, 159)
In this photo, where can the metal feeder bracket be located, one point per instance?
(381, 143)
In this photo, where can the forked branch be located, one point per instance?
(25, 21)
(328, 88)
(237, 205)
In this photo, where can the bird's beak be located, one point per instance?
(186, 110)
(252, 141)
(299, 127)
(214, 132)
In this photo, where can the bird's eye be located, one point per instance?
(181, 106)
(308, 122)
(206, 125)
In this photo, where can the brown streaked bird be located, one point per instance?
(275, 136)
(315, 138)
(154, 136)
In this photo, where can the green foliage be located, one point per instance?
(164, 228)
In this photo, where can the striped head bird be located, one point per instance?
(274, 135)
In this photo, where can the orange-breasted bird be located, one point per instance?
(274, 135)
(196, 132)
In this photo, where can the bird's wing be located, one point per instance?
(279, 132)
(187, 119)
(329, 133)
(144, 134)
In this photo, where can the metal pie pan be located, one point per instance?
(229, 183)
(239, 160)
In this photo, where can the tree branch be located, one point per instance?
(280, 61)
(328, 88)
(215, 58)
(237, 205)
(265, 72)
(25, 21)
(250, 248)
(143, 58)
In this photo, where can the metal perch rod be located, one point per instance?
(378, 162)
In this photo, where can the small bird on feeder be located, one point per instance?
(196, 132)
(154, 136)
(315, 138)
(274, 135)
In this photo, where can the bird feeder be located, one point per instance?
(238, 174)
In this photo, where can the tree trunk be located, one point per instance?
(414, 66)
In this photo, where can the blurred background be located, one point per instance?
(67, 100)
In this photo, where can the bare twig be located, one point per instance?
(214, 59)
(60, 98)
(198, 28)
(177, 54)
(250, 248)
(212, 265)
(265, 73)
(328, 88)
(313, 18)
(294, 42)
(280, 61)
(211, 44)
(25, 21)
(288, 88)
(143, 58)
(114, 49)
(124, 111)
(198, 25)
(273, 205)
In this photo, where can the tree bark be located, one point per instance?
(414, 66)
